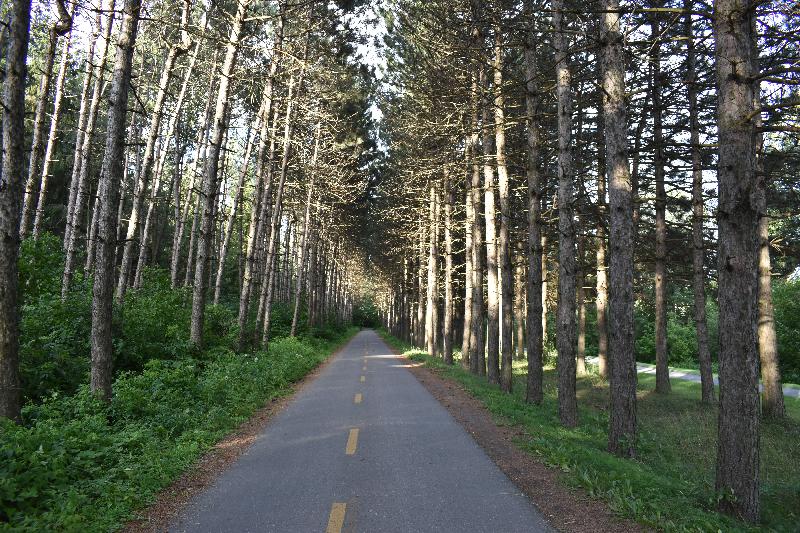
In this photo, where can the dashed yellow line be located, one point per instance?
(364, 368)
(357, 399)
(352, 442)
(363, 379)
(336, 518)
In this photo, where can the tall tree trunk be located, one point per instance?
(62, 26)
(601, 273)
(447, 329)
(52, 136)
(228, 230)
(432, 291)
(503, 246)
(288, 132)
(533, 324)
(11, 186)
(262, 190)
(660, 281)
(145, 174)
(490, 217)
(772, 405)
(519, 302)
(208, 191)
(419, 332)
(469, 221)
(698, 247)
(566, 330)
(80, 168)
(108, 195)
(622, 432)
(580, 280)
(298, 291)
(738, 219)
(181, 216)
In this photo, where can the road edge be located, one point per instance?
(172, 499)
(564, 508)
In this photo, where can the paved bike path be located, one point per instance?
(363, 448)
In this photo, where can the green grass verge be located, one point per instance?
(670, 484)
(81, 465)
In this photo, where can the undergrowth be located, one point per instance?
(669, 486)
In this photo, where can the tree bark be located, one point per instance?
(11, 187)
(288, 131)
(145, 174)
(80, 168)
(61, 27)
(533, 324)
(108, 196)
(469, 221)
(503, 246)
(622, 432)
(566, 335)
(447, 328)
(698, 247)
(262, 190)
(228, 230)
(298, 291)
(209, 186)
(490, 217)
(432, 291)
(601, 273)
(738, 220)
(660, 281)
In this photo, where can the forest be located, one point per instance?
(583, 213)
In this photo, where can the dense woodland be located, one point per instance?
(198, 190)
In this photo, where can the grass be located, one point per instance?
(670, 484)
(81, 465)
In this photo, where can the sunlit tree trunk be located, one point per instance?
(146, 171)
(298, 291)
(209, 185)
(503, 245)
(432, 290)
(80, 168)
(601, 272)
(227, 232)
(36, 178)
(288, 131)
(447, 328)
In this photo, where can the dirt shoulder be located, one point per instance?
(172, 499)
(566, 509)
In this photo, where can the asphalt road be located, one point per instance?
(363, 448)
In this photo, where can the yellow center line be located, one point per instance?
(357, 399)
(352, 442)
(336, 518)
(363, 379)
(364, 368)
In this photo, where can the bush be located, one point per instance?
(82, 464)
(786, 300)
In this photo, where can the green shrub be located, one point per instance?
(81, 464)
(786, 300)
